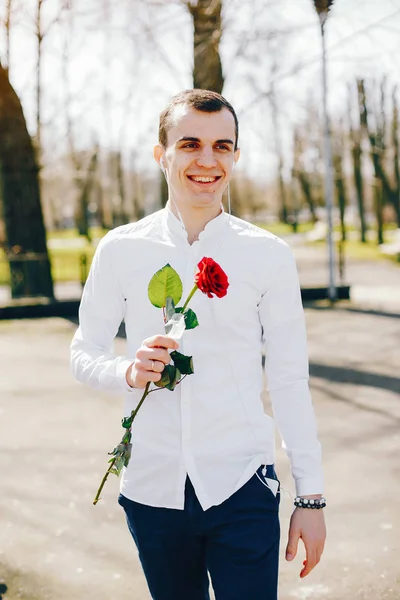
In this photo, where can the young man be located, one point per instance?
(200, 492)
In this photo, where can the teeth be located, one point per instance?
(204, 179)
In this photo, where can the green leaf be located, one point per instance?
(177, 375)
(184, 363)
(126, 422)
(190, 317)
(166, 376)
(169, 377)
(169, 307)
(166, 282)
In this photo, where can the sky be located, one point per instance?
(127, 57)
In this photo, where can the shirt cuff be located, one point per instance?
(308, 486)
(122, 368)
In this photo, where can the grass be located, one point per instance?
(70, 234)
(279, 229)
(65, 264)
(358, 251)
(368, 251)
(352, 248)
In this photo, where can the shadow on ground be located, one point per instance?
(3, 589)
(354, 310)
(355, 376)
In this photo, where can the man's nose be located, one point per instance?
(206, 158)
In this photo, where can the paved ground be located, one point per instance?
(54, 545)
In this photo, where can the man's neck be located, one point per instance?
(194, 220)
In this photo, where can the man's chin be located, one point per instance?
(206, 203)
(205, 200)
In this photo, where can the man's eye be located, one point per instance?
(191, 145)
(222, 147)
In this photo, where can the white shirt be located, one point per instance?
(212, 426)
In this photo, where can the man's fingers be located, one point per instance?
(159, 354)
(291, 548)
(311, 559)
(145, 373)
(161, 341)
(156, 365)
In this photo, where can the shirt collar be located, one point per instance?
(213, 227)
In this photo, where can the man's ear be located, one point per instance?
(236, 155)
(158, 153)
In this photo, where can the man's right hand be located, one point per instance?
(150, 360)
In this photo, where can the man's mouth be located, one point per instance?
(203, 180)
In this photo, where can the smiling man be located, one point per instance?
(201, 494)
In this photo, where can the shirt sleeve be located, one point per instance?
(283, 322)
(101, 312)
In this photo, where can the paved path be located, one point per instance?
(54, 545)
(373, 283)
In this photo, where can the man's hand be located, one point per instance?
(150, 360)
(309, 525)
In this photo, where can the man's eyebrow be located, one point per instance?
(195, 139)
(224, 142)
(186, 138)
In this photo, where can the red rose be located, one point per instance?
(211, 279)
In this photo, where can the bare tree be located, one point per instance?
(396, 155)
(39, 36)
(85, 164)
(376, 136)
(207, 22)
(338, 154)
(283, 210)
(40, 33)
(7, 26)
(24, 226)
(356, 136)
(301, 173)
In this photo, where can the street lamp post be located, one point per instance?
(322, 7)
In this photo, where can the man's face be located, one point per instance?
(199, 156)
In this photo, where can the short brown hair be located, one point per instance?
(203, 100)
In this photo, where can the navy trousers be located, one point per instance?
(236, 542)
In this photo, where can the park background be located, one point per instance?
(81, 88)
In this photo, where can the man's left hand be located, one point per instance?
(309, 525)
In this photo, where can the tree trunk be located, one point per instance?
(24, 225)
(39, 38)
(7, 26)
(306, 188)
(207, 22)
(301, 175)
(376, 139)
(396, 157)
(82, 211)
(378, 202)
(283, 211)
(356, 153)
(339, 180)
(122, 217)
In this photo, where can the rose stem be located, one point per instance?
(97, 498)
(194, 290)
(133, 415)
